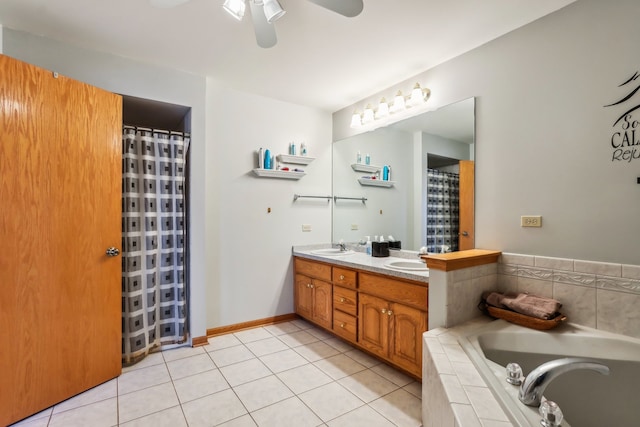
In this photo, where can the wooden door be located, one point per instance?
(60, 190)
(303, 296)
(467, 233)
(407, 326)
(373, 324)
(323, 303)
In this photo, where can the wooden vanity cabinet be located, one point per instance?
(313, 292)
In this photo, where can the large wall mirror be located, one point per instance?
(430, 190)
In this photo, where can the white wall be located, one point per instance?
(543, 138)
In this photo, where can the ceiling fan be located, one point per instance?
(265, 12)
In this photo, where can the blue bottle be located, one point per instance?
(267, 159)
(385, 173)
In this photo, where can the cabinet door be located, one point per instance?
(373, 324)
(322, 303)
(407, 326)
(303, 297)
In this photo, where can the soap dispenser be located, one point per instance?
(368, 245)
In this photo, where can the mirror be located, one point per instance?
(432, 140)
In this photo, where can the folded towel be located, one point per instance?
(530, 305)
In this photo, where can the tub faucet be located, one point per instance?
(537, 381)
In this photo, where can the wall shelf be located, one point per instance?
(273, 173)
(376, 182)
(296, 160)
(361, 167)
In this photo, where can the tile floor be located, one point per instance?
(288, 374)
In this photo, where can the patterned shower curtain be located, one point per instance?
(443, 205)
(154, 297)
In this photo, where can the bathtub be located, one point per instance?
(587, 398)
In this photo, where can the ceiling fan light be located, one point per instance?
(272, 10)
(235, 8)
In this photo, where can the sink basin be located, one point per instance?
(332, 252)
(407, 265)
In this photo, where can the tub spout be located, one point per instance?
(537, 381)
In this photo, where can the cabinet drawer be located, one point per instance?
(344, 277)
(395, 290)
(313, 269)
(345, 325)
(345, 300)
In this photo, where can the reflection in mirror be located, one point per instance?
(403, 206)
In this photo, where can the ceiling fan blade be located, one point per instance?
(165, 4)
(348, 8)
(265, 32)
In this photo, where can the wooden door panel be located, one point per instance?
(60, 157)
(303, 296)
(323, 303)
(373, 324)
(467, 206)
(407, 327)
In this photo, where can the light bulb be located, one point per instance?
(356, 120)
(383, 109)
(398, 103)
(417, 96)
(235, 8)
(367, 116)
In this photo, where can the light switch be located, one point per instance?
(531, 221)
(354, 226)
(306, 227)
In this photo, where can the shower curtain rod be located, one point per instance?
(168, 132)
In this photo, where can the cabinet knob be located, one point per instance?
(311, 286)
(383, 311)
(342, 277)
(342, 299)
(389, 313)
(342, 325)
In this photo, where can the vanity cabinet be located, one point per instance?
(314, 292)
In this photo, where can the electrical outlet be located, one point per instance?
(306, 227)
(354, 226)
(531, 221)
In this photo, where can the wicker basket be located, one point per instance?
(523, 320)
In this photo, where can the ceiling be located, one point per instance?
(322, 59)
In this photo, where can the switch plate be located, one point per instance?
(306, 227)
(354, 226)
(531, 221)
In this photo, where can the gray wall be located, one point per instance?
(543, 137)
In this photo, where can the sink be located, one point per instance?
(407, 265)
(332, 252)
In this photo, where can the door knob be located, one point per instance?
(113, 251)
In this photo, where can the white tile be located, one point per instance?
(297, 339)
(368, 385)
(465, 415)
(554, 263)
(283, 360)
(316, 351)
(361, 417)
(519, 259)
(330, 401)
(631, 271)
(95, 394)
(222, 341)
(288, 413)
(453, 389)
(282, 328)
(321, 334)
(231, 355)
(144, 402)
(143, 378)
(467, 374)
(339, 344)
(578, 303)
(263, 392)
(339, 366)
(243, 372)
(392, 374)
(484, 404)
(267, 346)
(99, 414)
(149, 360)
(33, 422)
(304, 378)
(598, 268)
(172, 417)
(618, 312)
(400, 407)
(181, 352)
(414, 388)
(254, 334)
(541, 288)
(455, 353)
(243, 421)
(302, 324)
(190, 366)
(213, 409)
(363, 358)
(200, 385)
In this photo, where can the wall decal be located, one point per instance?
(624, 142)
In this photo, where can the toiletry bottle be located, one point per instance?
(303, 149)
(368, 245)
(267, 159)
(389, 173)
(358, 158)
(385, 173)
(261, 158)
(292, 149)
(367, 159)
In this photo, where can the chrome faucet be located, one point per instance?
(342, 246)
(537, 381)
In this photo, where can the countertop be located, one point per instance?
(362, 261)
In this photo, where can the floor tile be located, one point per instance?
(330, 401)
(302, 324)
(361, 417)
(222, 341)
(96, 394)
(339, 366)
(304, 378)
(321, 334)
(245, 372)
(316, 351)
(172, 417)
(363, 358)
(181, 353)
(338, 344)
(200, 385)
(283, 360)
(144, 402)
(243, 421)
(213, 409)
(143, 378)
(190, 366)
(251, 335)
(400, 407)
(99, 414)
(33, 422)
(288, 413)
(263, 392)
(150, 360)
(392, 374)
(231, 355)
(266, 346)
(296, 339)
(282, 328)
(414, 388)
(368, 385)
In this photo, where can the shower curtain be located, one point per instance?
(154, 297)
(443, 205)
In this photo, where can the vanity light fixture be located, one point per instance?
(401, 103)
(235, 8)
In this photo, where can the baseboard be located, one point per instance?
(251, 324)
(199, 341)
